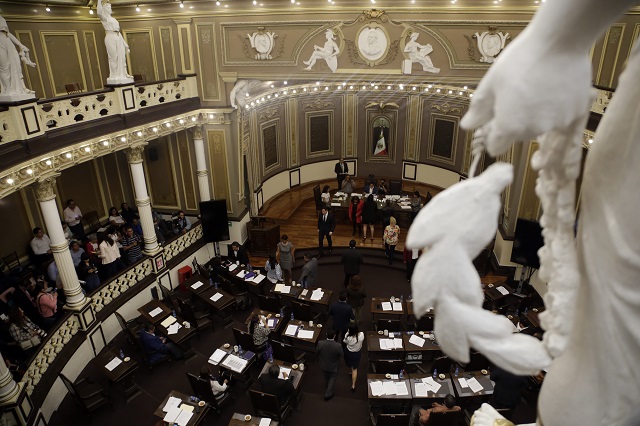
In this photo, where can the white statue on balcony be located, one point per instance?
(117, 47)
(12, 86)
(592, 311)
(420, 53)
(329, 52)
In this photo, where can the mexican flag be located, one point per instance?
(381, 146)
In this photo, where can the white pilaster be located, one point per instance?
(201, 165)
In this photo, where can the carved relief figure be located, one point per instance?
(11, 79)
(263, 42)
(372, 43)
(420, 53)
(239, 92)
(490, 44)
(329, 52)
(117, 48)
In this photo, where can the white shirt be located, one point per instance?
(351, 343)
(70, 216)
(40, 245)
(108, 253)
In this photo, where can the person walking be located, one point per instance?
(368, 216)
(355, 214)
(326, 226)
(328, 354)
(356, 296)
(351, 261)
(390, 238)
(352, 352)
(285, 255)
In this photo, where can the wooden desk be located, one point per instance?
(297, 374)
(373, 342)
(148, 307)
(429, 345)
(305, 344)
(293, 293)
(493, 294)
(272, 315)
(238, 420)
(484, 380)
(199, 413)
(305, 295)
(409, 308)
(122, 374)
(222, 303)
(371, 377)
(244, 375)
(446, 386)
(194, 280)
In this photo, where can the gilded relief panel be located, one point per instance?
(161, 173)
(141, 59)
(413, 129)
(350, 148)
(62, 56)
(187, 170)
(168, 58)
(91, 53)
(218, 165)
(208, 72)
(32, 76)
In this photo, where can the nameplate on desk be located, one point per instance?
(416, 340)
(156, 312)
(232, 267)
(241, 274)
(317, 295)
(397, 306)
(431, 384)
(197, 285)
(216, 297)
(171, 403)
(278, 287)
(258, 278)
(271, 322)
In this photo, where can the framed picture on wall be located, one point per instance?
(381, 143)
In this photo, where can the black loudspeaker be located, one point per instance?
(213, 215)
(526, 243)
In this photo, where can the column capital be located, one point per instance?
(204, 173)
(45, 187)
(197, 132)
(134, 154)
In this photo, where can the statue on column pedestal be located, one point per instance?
(117, 47)
(12, 86)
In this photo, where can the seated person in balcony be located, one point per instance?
(371, 189)
(325, 197)
(280, 388)
(183, 224)
(273, 269)
(259, 331)
(217, 389)
(22, 329)
(420, 416)
(128, 213)
(115, 218)
(132, 245)
(159, 226)
(76, 252)
(156, 347)
(137, 228)
(88, 272)
(47, 304)
(23, 297)
(238, 254)
(67, 232)
(73, 217)
(52, 272)
(40, 247)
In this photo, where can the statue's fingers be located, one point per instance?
(481, 108)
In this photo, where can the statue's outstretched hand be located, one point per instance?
(530, 89)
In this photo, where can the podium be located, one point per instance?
(264, 237)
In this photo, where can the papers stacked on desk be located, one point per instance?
(463, 382)
(271, 322)
(258, 278)
(173, 402)
(387, 387)
(431, 385)
(291, 330)
(235, 363)
(155, 312)
(265, 421)
(241, 274)
(167, 322)
(376, 388)
(197, 285)
(386, 306)
(336, 204)
(281, 288)
(217, 356)
(397, 306)
(416, 340)
(216, 297)
(284, 370)
(113, 364)
(173, 328)
(502, 290)
(232, 267)
(305, 334)
(390, 344)
(180, 415)
(474, 385)
(317, 294)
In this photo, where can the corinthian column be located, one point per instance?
(46, 196)
(134, 156)
(8, 386)
(201, 165)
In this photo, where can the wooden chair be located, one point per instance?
(384, 366)
(388, 324)
(202, 389)
(447, 418)
(267, 405)
(92, 221)
(197, 320)
(88, 395)
(392, 420)
(286, 352)
(267, 303)
(395, 186)
(302, 311)
(244, 339)
(442, 364)
(73, 88)
(130, 329)
(12, 264)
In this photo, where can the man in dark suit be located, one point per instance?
(342, 170)
(281, 388)
(371, 189)
(351, 261)
(507, 389)
(309, 273)
(326, 226)
(156, 347)
(238, 253)
(341, 314)
(328, 355)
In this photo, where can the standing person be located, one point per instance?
(110, 255)
(416, 204)
(132, 245)
(128, 213)
(356, 296)
(274, 271)
(73, 217)
(309, 273)
(351, 261)
(328, 354)
(40, 247)
(369, 210)
(326, 226)
(355, 215)
(341, 314)
(353, 344)
(348, 185)
(342, 170)
(285, 255)
(390, 237)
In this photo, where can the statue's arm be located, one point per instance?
(99, 9)
(17, 42)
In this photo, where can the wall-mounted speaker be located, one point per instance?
(215, 222)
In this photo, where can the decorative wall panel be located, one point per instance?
(62, 56)
(218, 165)
(160, 173)
(142, 58)
(91, 53)
(187, 170)
(166, 48)
(208, 68)
(270, 145)
(32, 76)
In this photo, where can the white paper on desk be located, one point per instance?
(416, 340)
(232, 267)
(216, 297)
(317, 295)
(376, 388)
(155, 312)
(389, 387)
(172, 415)
(397, 343)
(217, 356)
(397, 306)
(167, 322)
(291, 330)
(432, 384)
(113, 364)
(401, 388)
(394, 377)
(335, 204)
(235, 363)
(404, 207)
(241, 274)
(186, 407)
(173, 328)
(265, 421)
(184, 417)
(304, 292)
(502, 290)
(463, 382)
(305, 334)
(286, 289)
(474, 385)
(421, 389)
(258, 278)
(386, 306)
(384, 344)
(271, 322)
(171, 402)
(284, 370)
(278, 287)
(197, 285)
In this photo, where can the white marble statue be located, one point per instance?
(592, 316)
(12, 86)
(117, 47)
(263, 42)
(238, 95)
(490, 44)
(372, 43)
(420, 53)
(329, 52)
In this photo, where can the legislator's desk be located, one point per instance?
(446, 387)
(532, 316)
(304, 343)
(467, 393)
(381, 307)
(322, 304)
(238, 364)
(409, 307)
(121, 374)
(239, 420)
(405, 392)
(182, 337)
(159, 309)
(286, 292)
(401, 205)
(199, 413)
(217, 299)
(274, 322)
(197, 284)
(497, 291)
(423, 344)
(377, 352)
(296, 374)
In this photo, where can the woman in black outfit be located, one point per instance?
(368, 216)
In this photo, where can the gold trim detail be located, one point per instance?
(45, 188)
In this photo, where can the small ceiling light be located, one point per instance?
(246, 95)
(268, 96)
(465, 87)
(123, 139)
(217, 3)
(371, 84)
(590, 141)
(426, 89)
(211, 116)
(29, 171)
(105, 143)
(181, 121)
(90, 11)
(272, 86)
(438, 90)
(255, 2)
(364, 87)
(137, 8)
(373, 1)
(305, 89)
(167, 124)
(285, 92)
(350, 87)
(181, 5)
(155, 129)
(47, 8)
(460, 93)
(262, 99)
(246, 107)
(375, 87)
(339, 87)
(68, 155)
(326, 88)
(193, 119)
(87, 149)
(10, 181)
(414, 88)
(275, 96)
(471, 95)
(293, 1)
(285, 83)
(450, 91)
(48, 162)
(315, 89)
(252, 104)
(317, 83)
(388, 87)
(401, 86)
(295, 91)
